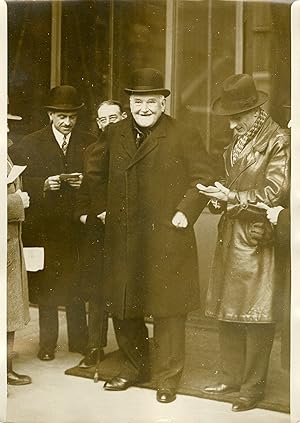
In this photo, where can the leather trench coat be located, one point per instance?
(243, 286)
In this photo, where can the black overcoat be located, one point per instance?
(49, 220)
(150, 266)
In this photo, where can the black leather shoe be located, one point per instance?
(166, 395)
(91, 358)
(14, 378)
(46, 355)
(245, 403)
(117, 384)
(221, 388)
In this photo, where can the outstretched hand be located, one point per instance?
(217, 191)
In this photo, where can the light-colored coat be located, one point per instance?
(243, 286)
(17, 288)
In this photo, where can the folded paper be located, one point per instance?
(34, 258)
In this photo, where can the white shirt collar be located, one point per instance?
(59, 136)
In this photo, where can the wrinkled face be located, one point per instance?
(109, 113)
(64, 122)
(147, 109)
(242, 122)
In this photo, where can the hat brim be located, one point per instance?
(163, 91)
(64, 107)
(219, 109)
(13, 117)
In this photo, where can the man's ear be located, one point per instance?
(124, 115)
(50, 115)
(163, 104)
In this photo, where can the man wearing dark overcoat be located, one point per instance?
(54, 159)
(243, 292)
(144, 171)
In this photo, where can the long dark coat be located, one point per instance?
(49, 221)
(17, 288)
(91, 247)
(242, 286)
(150, 266)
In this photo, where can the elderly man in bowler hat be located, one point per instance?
(54, 159)
(145, 171)
(243, 294)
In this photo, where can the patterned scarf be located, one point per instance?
(250, 134)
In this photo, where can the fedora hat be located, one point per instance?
(64, 98)
(147, 81)
(238, 95)
(10, 116)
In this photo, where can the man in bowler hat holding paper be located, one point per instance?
(145, 170)
(243, 292)
(54, 159)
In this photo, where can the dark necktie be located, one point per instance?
(64, 145)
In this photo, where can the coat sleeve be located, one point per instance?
(276, 182)
(15, 208)
(199, 170)
(96, 173)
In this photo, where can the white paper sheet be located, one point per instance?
(34, 258)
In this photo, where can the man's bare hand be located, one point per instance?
(180, 220)
(273, 213)
(52, 183)
(24, 197)
(83, 218)
(75, 182)
(218, 191)
(102, 217)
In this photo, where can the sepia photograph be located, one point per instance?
(148, 267)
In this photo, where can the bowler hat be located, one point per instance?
(147, 81)
(12, 117)
(238, 95)
(65, 98)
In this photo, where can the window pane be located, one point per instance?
(205, 56)
(29, 40)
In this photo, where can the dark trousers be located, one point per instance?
(169, 351)
(76, 326)
(245, 353)
(97, 325)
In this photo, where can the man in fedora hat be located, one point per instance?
(145, 171)
(17, 288)
(54, 159)
(243, 292)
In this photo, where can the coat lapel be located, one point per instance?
(150, 143)
(248, 155)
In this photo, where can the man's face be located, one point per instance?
(109, 113)
(64, 122)
(242, 122)
(147, 109)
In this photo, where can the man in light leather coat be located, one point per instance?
(243, 293)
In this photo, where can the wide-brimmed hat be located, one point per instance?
(10, 116)
(238, 95)
(64, 98)
(147, 81)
